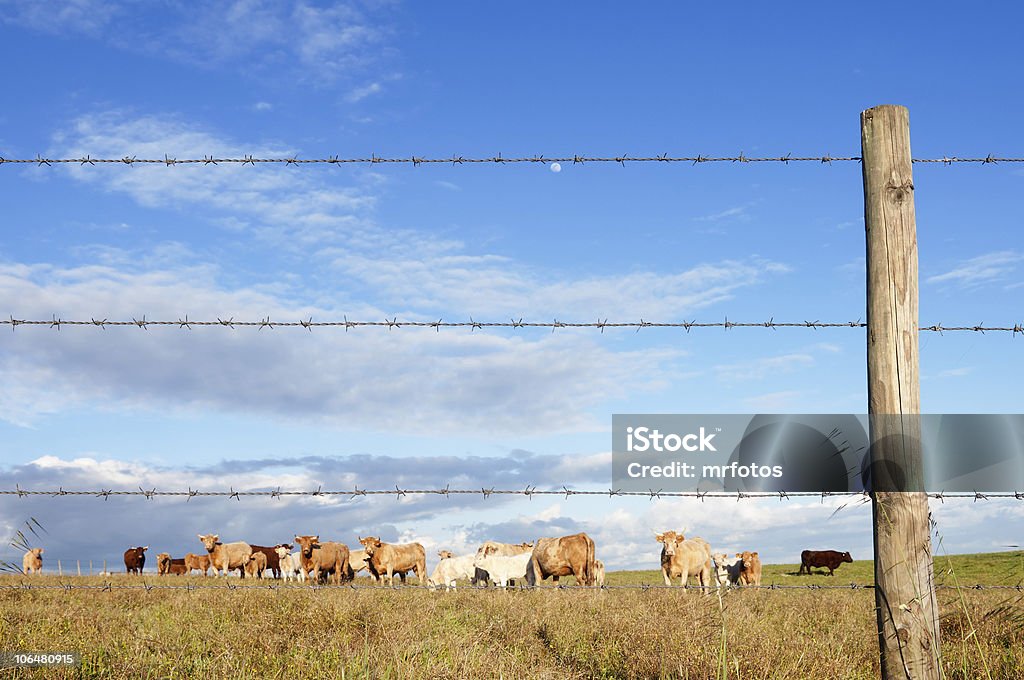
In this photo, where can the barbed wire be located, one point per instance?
(528, 491)
(393, 323)
(575, 159)
(150, 587)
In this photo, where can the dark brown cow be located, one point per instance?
(273, 559)
(827, 559)
(560, 557)
(135, 559)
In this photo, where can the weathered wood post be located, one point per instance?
(907, 614)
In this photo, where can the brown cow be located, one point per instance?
(135, 559)
(829, 559)
(684, 558)
(166, 565)
(327, 558)
(32, 562)
(257, 564)
(560, 557)
(273, 561)
(226, 556)
(193, 561)
(750, 570)
(390, 558)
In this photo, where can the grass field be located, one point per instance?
(547, 634)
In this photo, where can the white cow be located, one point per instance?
(503, 568)
(450, 569)
(727, 569)
(290, 565)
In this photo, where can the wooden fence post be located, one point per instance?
(907, 614)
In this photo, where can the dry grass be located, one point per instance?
(548, 634)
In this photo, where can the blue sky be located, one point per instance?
(214, 408)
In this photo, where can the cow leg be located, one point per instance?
(668, 579)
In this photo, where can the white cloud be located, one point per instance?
(87, 17)
(774, 402)
(280, 206)
(758, 369)
(736, 213)
(361, 93)
(981, 270)
(958, 372)
(405, 268)
(447, 279)
(408, 380)
(314, 44)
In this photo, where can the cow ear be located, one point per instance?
(755, 554)
(200, 536)
(145, 549)
(659, 537)
(40, 551)
(216, 537)
(316, 539)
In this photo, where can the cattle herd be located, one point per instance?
(499, 563)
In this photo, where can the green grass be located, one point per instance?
(1002, 568)
(543, 634)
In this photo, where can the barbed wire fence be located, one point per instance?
(528, 492)
(576, 159)
(395, 324)
(890, 593)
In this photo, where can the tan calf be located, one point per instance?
(32, 562)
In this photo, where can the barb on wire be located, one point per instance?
(454, 159)
(394, 323)
(529, 491)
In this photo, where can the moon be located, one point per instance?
(556, 167)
